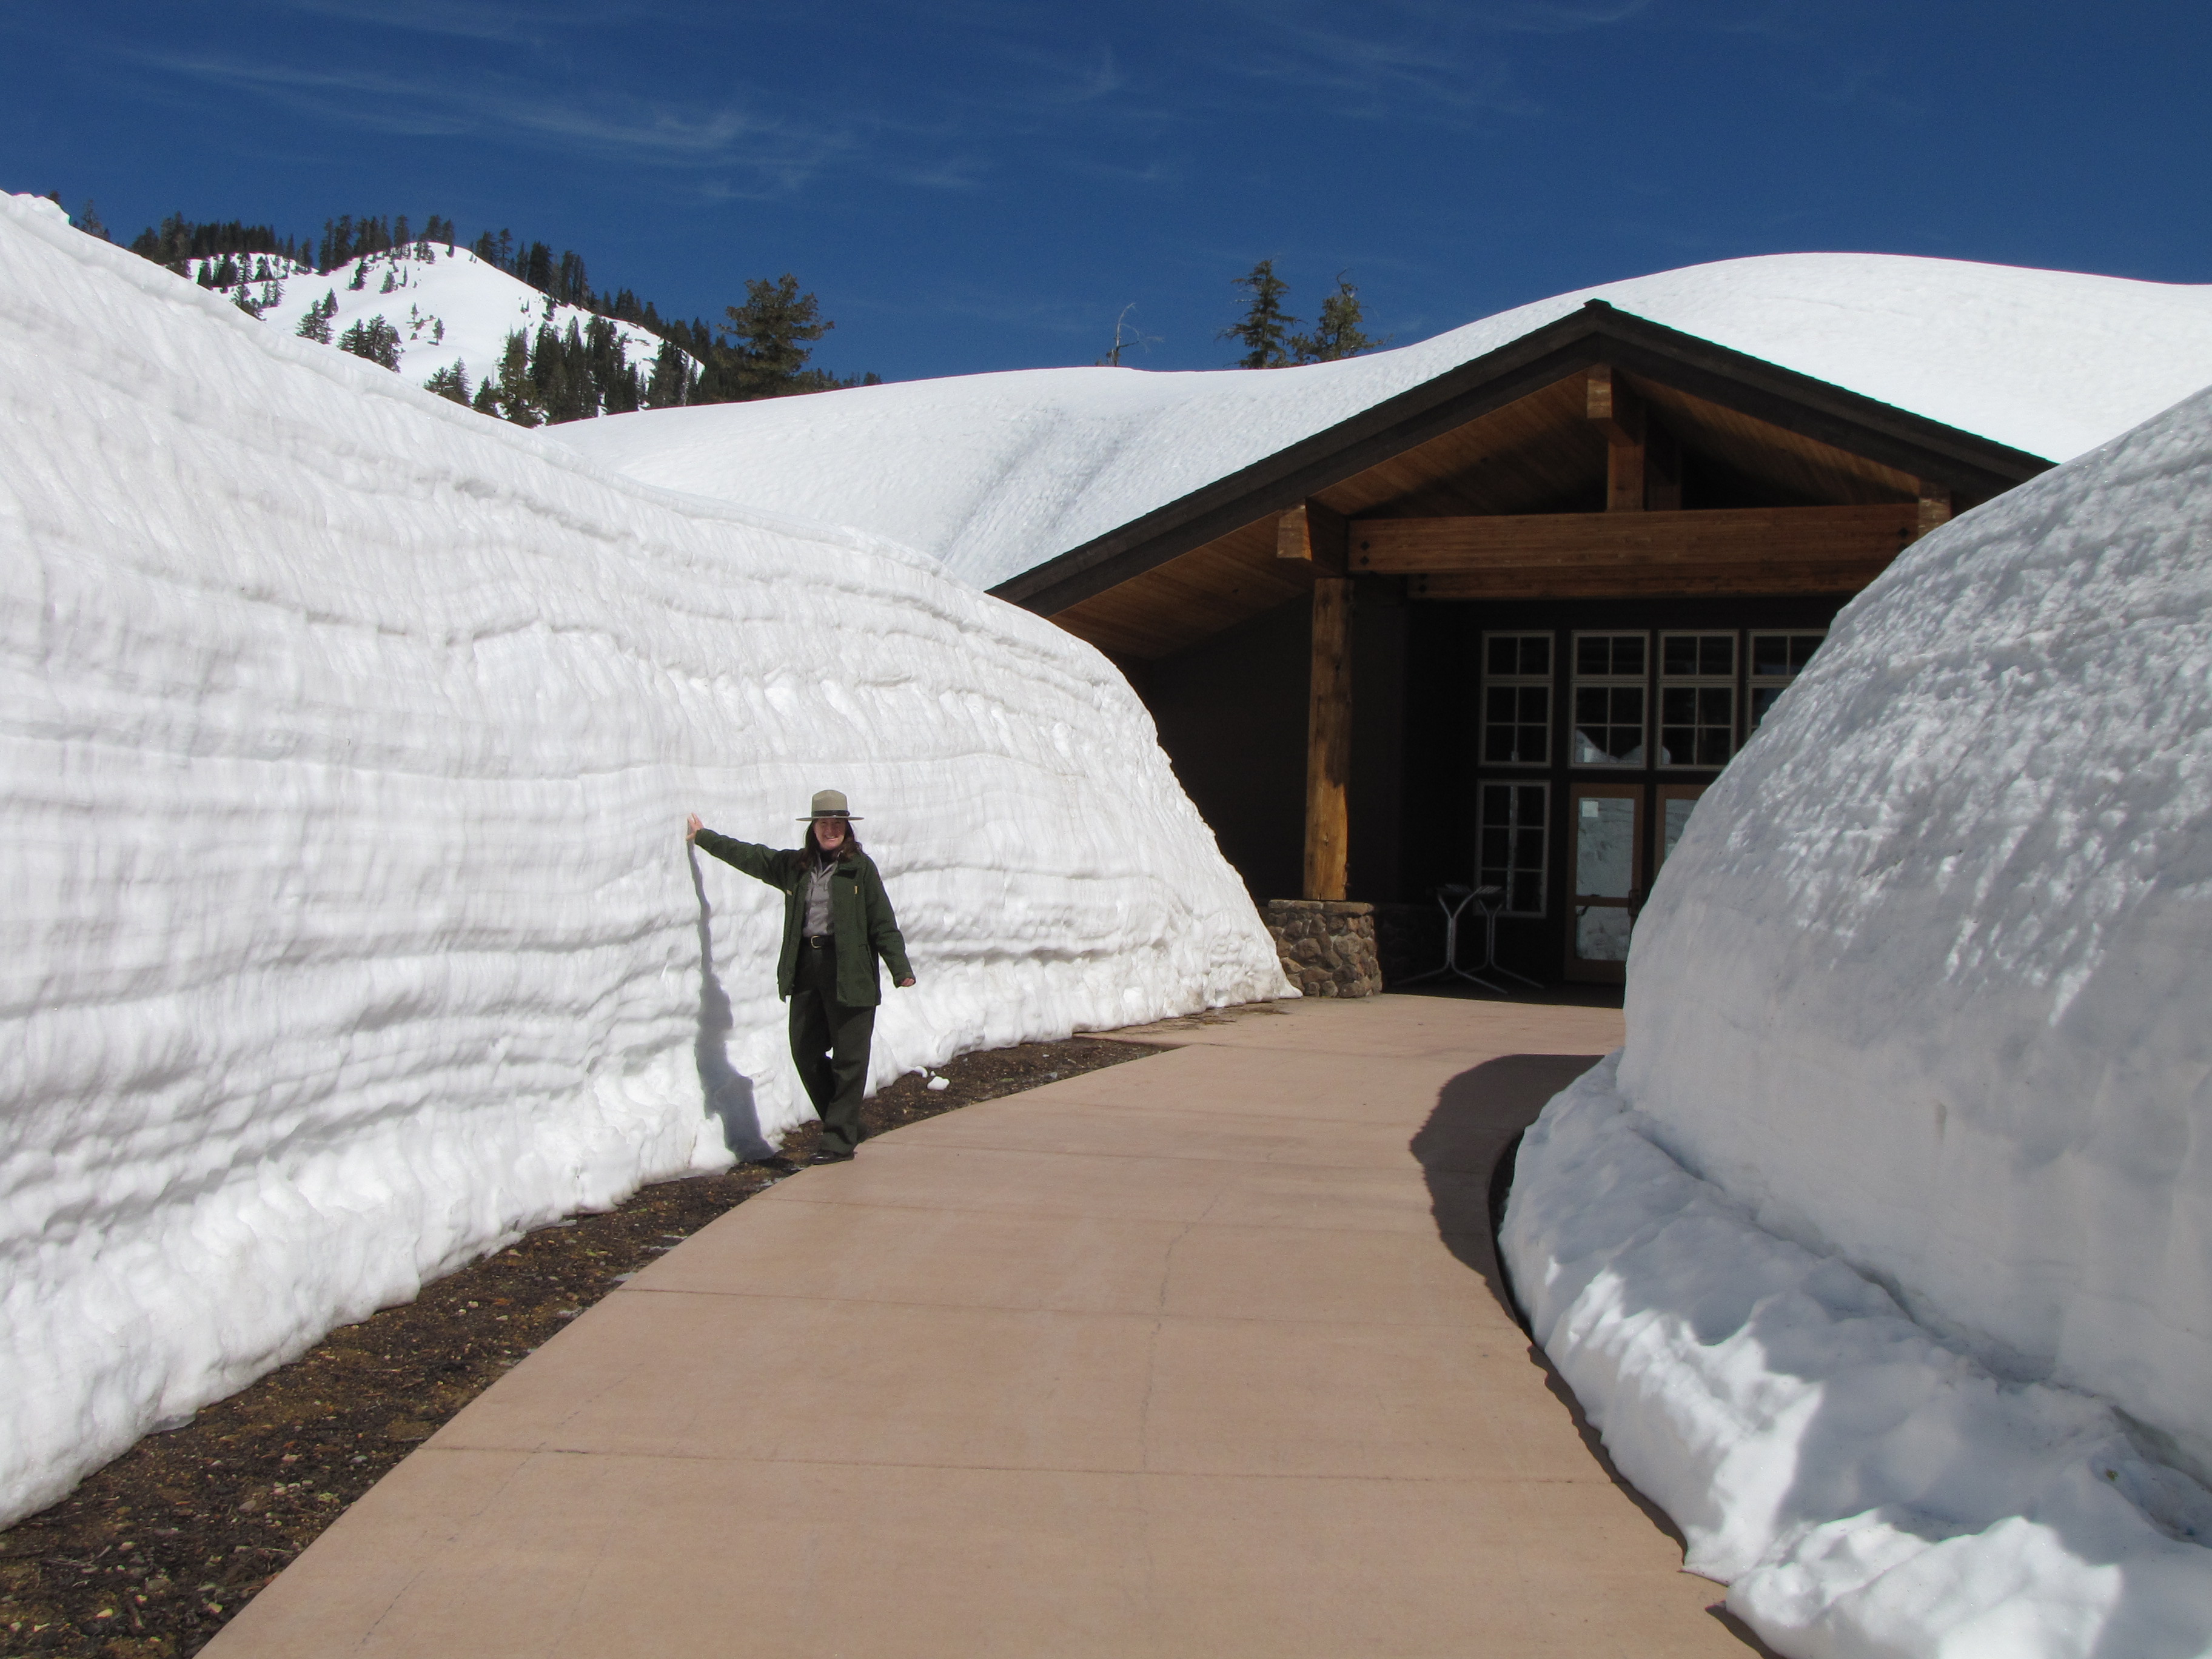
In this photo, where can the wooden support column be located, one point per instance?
(1619, 414)
(1317, 536)
(1935, 508)
(1328, 741)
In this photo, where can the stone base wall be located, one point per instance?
(1328, 945)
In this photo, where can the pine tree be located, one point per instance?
(670, 383)
(514, 399)
(374, 339)
(769, 357)
(486, 402)
(87, 221)
(450, 381)
(1338, 334)
(359, 275)
(390, 282)
(1266, 326)
(316, 324)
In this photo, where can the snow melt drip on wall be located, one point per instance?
(347, 740)
(1884, 1261)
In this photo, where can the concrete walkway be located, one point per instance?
(1197, 1356)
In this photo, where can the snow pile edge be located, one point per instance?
(1861, 1487)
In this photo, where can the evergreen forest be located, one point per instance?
(760, 348)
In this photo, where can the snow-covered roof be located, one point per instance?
(997, 473)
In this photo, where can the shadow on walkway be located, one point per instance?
(1466, 1151)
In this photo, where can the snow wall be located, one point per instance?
(1884, 1260)
(348, 738)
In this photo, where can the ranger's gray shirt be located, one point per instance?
(817, 897)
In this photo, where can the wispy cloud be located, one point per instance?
(750, 154)
(1401, 59)
(1558, 16)
(465, 20)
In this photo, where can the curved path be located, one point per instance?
(1197, 1356)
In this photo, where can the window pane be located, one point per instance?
(1604, 847)
(1678, 654)
(1535, 654)
(1769, 655)
(1510, 846)
(1717, 654)
(1601, 933)
(1677, 820)
(1762, 700)
(1609, 726)
(1500, 657)
(1591, 656)
(1628, 653)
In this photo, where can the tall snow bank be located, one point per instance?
(996, 474)
(1862, 1488)
(345, 748)
(1916, 1028)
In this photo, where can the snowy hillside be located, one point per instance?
(1918, 1004)
(997, 473)
(345, 745)
(448, 307)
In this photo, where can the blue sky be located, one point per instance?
(977, 185)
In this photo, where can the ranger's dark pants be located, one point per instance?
(829, 1045)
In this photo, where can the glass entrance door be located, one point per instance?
(1675, 802)
(1606, 824)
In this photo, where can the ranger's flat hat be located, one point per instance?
(830, 803)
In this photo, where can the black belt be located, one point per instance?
(820, 941)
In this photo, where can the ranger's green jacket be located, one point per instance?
(860, 918)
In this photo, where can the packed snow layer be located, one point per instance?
(1920, 990)
(346, 739)
(1861, 1488)
(449, 308)
(1924, 980)
(998, 473)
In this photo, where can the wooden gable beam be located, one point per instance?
(1935, 508)
(1313, 534)
(1765, 549)
(1618, 413)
